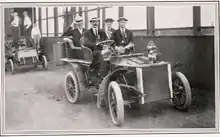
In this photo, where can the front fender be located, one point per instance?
(103, 89)
(80, 73)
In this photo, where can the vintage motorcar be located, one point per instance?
(25, 55)
(132, 80)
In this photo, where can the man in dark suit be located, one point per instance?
(109, 30)
(91, 38)
(94, 35)
(123, 38)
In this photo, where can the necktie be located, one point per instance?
(96, 32)
(109, 33)
(123, 33)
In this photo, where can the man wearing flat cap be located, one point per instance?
(91, 38)
(123, 37)
(109, 30)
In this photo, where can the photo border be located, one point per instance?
(114, 131)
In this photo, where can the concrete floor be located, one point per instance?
(35, 100)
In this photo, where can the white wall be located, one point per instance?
(173, 16)
(137, 17)
(207, 15)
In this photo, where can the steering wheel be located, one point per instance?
(105, 42)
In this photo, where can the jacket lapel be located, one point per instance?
(92, 32)
(120, 34)
(77, 31)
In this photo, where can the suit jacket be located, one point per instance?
(76, 35)
(118, 38)
(90, 39)
(68, 32)
(112, 32)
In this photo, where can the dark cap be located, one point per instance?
(109, 20)
(122, 19)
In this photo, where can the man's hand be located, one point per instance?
(105, 52)
(129, 46)
(105, 47)
(120, 49)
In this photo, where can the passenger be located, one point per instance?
(109, 30)
(123, 37)
(78, 32)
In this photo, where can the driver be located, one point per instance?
(91, 38)
(123, 37)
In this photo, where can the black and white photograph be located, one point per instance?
(80, 68)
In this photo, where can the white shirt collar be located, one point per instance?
(94, 30)
(122, 29)
(80, 30)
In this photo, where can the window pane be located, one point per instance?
(61, 10)
(51, 26)
(50, 12)
(112, 13)
(44, 26)
(136, 15)
(43, 12)
(207, 15)
(37, 13)
(60, 24)
(173, 16)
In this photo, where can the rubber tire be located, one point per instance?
(120, 103)
(187, 88)
(44, 62)
(11, 66)
(77, 89)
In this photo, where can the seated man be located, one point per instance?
(91, 38)
(76, 32)
(123, 38)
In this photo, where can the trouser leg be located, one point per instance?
(27, 34)
(15, 36)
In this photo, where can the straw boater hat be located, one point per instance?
(78, 19)
(109, 20)
(122, 19)
(94, 19)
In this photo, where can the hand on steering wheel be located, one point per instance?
(120, 49)
(105, 42)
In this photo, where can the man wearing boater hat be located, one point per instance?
(123, 37)
(76, 33)
(109, 30)
(94, 35)
(91, 38)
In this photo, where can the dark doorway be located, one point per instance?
(20, 14)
